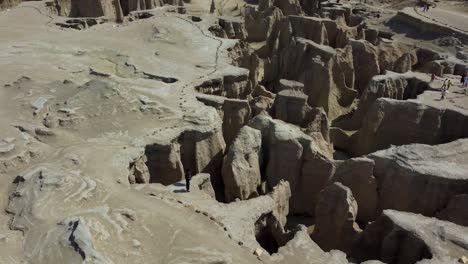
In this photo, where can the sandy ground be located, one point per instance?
(101, 128)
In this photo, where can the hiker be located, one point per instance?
(465, 83)
(449, 83)
(432, 77)
(462, 80)
(443, 92)
(188, 177)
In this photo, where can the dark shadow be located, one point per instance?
(179, 184)
(180, 191)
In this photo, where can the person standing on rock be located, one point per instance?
(188, 177)
(443, 93)
(449, 83)
(432, 77)
(462, 80)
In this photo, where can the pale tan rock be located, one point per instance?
(236, 115)
(241, 166)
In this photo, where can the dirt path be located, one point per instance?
(450, 18)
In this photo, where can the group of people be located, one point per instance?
(447, 83)
(425, 7)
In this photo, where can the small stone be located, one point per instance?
(463, 260)
(136, 243)
(258, 252)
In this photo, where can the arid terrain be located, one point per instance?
(311, 132)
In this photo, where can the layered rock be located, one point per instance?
(163, 162)
(327, 74)
(399, 237)
(385, 125)
(232, 83)
(291, 106)
(241, 166)
(114, 10)
(370, 60)
(229, 27)
(335, 215)
(434, 173)
(400, 86)
(259, 20)
(236, 115)
(291, 155)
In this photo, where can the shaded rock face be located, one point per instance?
(358, 175)
(139, 172)
(291, 155)
(399, 237)
(236, 115)
(259, 21)
(199, 152)
(163, 163)
(112, 9)
(326, 73)
(241, 166)
(229, 27)
(456, 210)
(428, 171)
(235, 84)
(400, 86)
(384, 125)
(335, 215)
(370, 60)
(8, 3)
(291, 107)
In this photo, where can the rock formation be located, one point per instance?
(399, 237)
(383, 126)
(241, 167)
(335, 215)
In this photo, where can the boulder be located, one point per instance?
(335, 215)
(261, 105)
(301, 249)
(139, 172)
(236, 115)
(401, 237)
(241, 166)
(318, 124)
